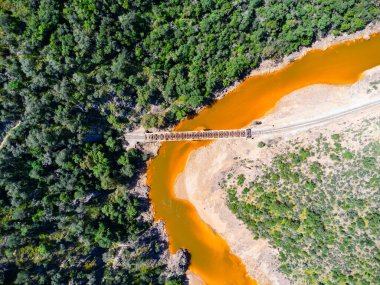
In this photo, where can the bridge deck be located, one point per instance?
(190, 135)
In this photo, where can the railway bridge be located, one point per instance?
(188, 135)
(255, 131)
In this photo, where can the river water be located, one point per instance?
(211, 258)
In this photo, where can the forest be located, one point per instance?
(75, 75)
(318, 205)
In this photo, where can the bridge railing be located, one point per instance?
(196, 135)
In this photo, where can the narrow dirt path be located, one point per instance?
(2, 144)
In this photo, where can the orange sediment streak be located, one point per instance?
(211, 258)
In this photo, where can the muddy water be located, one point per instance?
(210, 255)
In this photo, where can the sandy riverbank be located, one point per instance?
(205, 167)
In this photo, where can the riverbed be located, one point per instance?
(211, 257)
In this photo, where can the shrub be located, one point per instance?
(261, 144)
(240, 179)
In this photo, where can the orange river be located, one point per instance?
(211, 258)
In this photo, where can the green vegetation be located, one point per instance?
(319, 206)
(240, 179)
(373, 86)
(75, 74)
(176, 54)
(261, 144)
